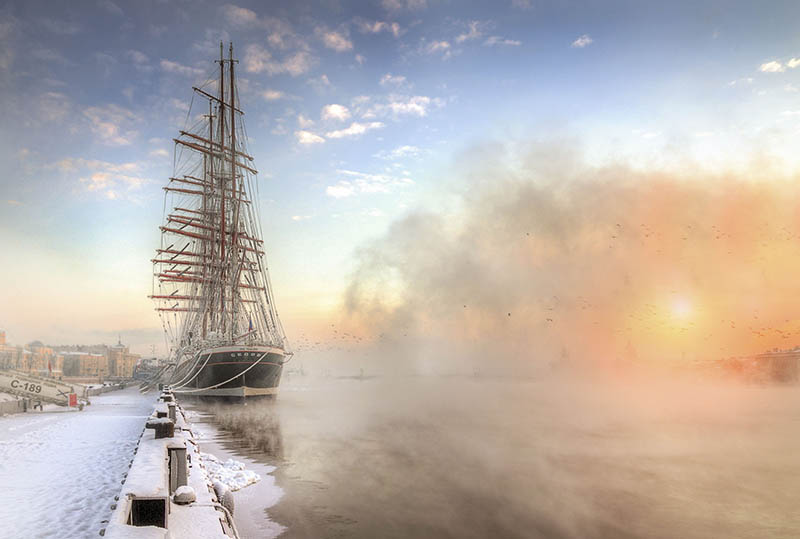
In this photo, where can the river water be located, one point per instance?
(557, 456)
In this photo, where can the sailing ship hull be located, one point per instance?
(235, 371)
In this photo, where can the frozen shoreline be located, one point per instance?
(253, 500)
(61, 471)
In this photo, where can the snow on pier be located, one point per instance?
(168, 492)
(61, 469)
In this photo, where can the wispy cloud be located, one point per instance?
(400, 152)
(742, 81)
(240, 16)
(300, 217)
(404, 5)
(304, 122)
(376, 27)
(111, 7)
(64, 28)
(438, 47)
(353, 182)
(335, 112)
(772, 67)
(174, 67)
(112, 124)
(336, 40)
(355, 129)
(112, 180)
(273, 95)
(492, 41)
(474, 31)
(13, 202)
(340, 190)
(582, 41)
(9, 26)
(280, 33)
(307, 137)
(257, 59)
(393, 80)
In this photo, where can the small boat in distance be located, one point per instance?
(210, 282)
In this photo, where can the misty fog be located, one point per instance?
(528, 373)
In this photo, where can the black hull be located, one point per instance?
(234, 372)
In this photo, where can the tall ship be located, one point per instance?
(210, 281)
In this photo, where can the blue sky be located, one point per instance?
(358, 113)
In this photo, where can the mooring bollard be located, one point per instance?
(164, 427)
(171, 411)
(178, 472)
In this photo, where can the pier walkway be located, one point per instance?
(61, 469)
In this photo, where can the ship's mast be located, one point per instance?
(222, 189)
(210, 270)
(234, 277)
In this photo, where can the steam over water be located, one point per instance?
(532, 363)
(558, 456)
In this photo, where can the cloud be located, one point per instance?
(395, 80)
(159, 152)
(745, 80)
(335, 112)
(335, 40)
(376, 27)
(522, 4)
(474, 32)
(365, 183)
(360, 59)
(793, 63)
(240, 16)
(400, 152)
(50, 55)
(174, 67)
(497, 40)
(51, 107)
(582, 41)
(9, 26)
(304, 122)
(414, 106)
(138, 57)
(772, 67)
(112, 180)
(355, 129)
(437, 47)
(110, 6)
(273, 95)
(397, 105)
(13, 202)
(300, 217)
(112, 124)
(63, 28)
(308, 138)
(280, 33)
(404, 5)
(257, 59)
(340, 190)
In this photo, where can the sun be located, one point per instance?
(681, 308)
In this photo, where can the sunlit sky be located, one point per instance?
(357, 114)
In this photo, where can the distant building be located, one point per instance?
(85, 364)
(779, 365)
(121, 362)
